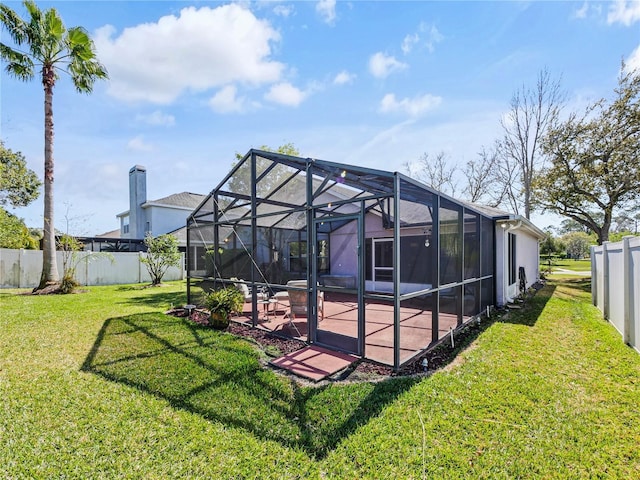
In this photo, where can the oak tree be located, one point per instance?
(594, 158)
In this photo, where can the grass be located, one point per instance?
(567, 264)
(103, 385)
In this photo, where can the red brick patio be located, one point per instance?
(314, 362)
(339, 326)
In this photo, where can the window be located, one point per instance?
(512, 259)
(383, 260)
(415, 259)
(298, 257)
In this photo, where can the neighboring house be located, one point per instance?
(154, 217)
(367, 242)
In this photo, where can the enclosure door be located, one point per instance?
(340, 325)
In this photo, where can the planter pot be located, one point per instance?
(218, 321)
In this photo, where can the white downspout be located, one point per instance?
(505, 256)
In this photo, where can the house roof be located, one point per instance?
(518, 222)
(183, 201)
(486, 209)
(111, 234)
(180, 234)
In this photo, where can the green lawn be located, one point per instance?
(567, 264)
(103, 385)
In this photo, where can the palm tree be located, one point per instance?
(53, 48)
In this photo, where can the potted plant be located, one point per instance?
(221, 303)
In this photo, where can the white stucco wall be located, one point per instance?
(163, 220)
(527, 256)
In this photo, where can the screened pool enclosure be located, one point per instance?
(358, 260)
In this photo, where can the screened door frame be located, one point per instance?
(313, 279)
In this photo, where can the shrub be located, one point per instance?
(162, 253)
(221, 303)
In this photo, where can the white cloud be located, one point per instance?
(429, 36)
(226, 101)
(582, 11)
(433, 38)
(344, 77)
(381, 65)
(283, 10)
(199, 50)
(413, 107)
(157, 118)
(409, 42)
(633, 62)
(327, 10)
(625, 12)
(137, 144)
(286, 94)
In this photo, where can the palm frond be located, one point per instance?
(85, 73)
(14, 25)
(84, 67)
(18, 65)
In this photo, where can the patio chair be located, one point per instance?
(244, 288)
(298, 300)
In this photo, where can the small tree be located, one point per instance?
(14, 233)
(550, 247)
(578, 244)
(19, 185)
(162, 253)
(71, 248)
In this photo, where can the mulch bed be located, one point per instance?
(436, 358)
(277, 345)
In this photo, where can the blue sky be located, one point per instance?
(375, 84)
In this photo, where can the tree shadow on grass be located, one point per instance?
(529, 311)
(157, 297)
(581, 283)
(219, 376)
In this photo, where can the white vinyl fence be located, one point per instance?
(22, 268)
(615, 286)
